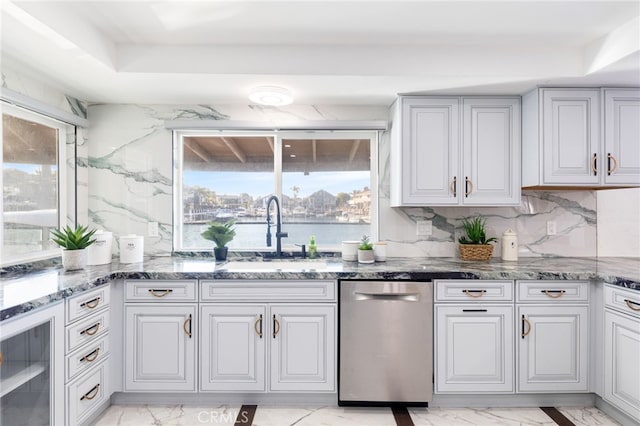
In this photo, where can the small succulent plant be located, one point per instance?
(220, 233)
(365, 244)
(475, 232)
(73, 239)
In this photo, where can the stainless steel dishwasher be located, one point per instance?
(386, 343)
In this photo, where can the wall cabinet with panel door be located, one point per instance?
(581, 137)
(259, 347)
(553, 340)
(160, 336)
(622, 350)
(455, 151)
(474, 337)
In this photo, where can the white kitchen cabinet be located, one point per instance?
(455, 151)
(232, 347)
(302, 347)
(553, 348)
(621, 153)
(581, 137)
(474, 348)
(160, 347)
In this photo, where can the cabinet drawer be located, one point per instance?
(87, 303)
(86, 394)
(473, 291)
(87, 330)
(241, 290)
(87, 357)
(160, 291)
(552, 291)
(627, 301)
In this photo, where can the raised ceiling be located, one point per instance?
(325, 52)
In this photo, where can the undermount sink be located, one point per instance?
(277, 265)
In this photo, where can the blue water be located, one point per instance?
(253, 235)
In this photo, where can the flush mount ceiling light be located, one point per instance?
(271, 95)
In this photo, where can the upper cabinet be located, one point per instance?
(455, 151)
(581, 137)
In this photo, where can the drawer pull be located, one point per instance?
(474, 310)
(631, 302)
(91, 356)
(276, 326)
(468, 186)
(474, 293)
(454, 183)
(91, 330)
(550, 293)
(184, 326)
(93, 391)
(160, 292)
(615, 164)
(528, 324)
(255, 326)
(594, 167)
(91, 303)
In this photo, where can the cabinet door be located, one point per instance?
(474, 349)
(571, 137)
(491, 152)
(232, 346)
(621, 362)
(621, 136)
(553, 348)
(302, 347)
(429, 152)
(160, 348)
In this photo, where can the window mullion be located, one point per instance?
(277, 164)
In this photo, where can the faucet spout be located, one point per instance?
(279, 233)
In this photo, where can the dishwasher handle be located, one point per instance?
(403, 297)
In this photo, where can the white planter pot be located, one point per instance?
(366, 256)
(74, 259)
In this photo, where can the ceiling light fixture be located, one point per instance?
(271, 95)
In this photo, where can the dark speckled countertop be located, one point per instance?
(23, 290)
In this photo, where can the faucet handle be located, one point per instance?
(303, 250)
(282, 234)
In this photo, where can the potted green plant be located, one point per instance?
(365, 251)
(74, 243)
(221, 233)
(475, 245)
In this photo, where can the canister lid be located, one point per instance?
(509, 232)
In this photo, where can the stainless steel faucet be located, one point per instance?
(279, 233)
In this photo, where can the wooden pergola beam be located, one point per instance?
(314, 144)
(354, 149)
(198, 150)
(233, 146)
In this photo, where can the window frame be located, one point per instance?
(62, 200)
(278, 135)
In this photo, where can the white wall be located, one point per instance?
(619, 222)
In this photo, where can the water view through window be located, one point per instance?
(325, 188)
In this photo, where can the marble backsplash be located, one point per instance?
(130, 175)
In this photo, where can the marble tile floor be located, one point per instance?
(181, 415)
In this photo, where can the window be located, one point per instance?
(323, 179)
(33, 186)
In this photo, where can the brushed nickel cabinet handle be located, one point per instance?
(550, 293)
(276, 326)
(184, 326)
(454, 184)
(474, 293)
(91, 303)
(611, 158)
(528, 324)
(594, 164)
(93, 391)
(255, 326)
(91, 330)
(631, 302)
(160, 292)
(90, 357)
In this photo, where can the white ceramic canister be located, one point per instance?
(380, 251)
(350, 250)
(509, 245)
(99, 253)
(131, 248)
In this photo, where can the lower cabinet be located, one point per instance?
(553, 349)
(160, 348)
(243, 344)
(474, 349)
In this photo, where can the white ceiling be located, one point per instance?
(325, 52)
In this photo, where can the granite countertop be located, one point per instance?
(24, 290)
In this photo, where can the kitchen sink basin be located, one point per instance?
(277, 265)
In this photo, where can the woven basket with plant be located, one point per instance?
(475, 245)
